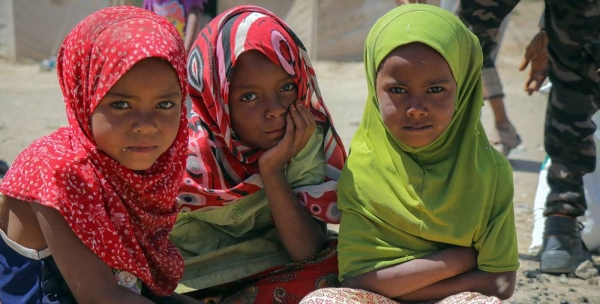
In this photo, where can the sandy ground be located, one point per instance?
(31, 106)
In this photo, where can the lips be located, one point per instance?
(277, 132)
(417, 128)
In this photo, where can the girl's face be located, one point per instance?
(416, 93)
(260, 94)
(138, 119)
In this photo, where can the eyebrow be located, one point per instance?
(441, 81)
(251, 86)
(434, 82)
(129, 96)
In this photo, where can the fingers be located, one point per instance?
(531, 86)
(528, 85)
(300, 125)
(525, 61)
(534, 83)
(290, 130)
(303, 121)
(536, 54)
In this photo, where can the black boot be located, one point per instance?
(563, 250)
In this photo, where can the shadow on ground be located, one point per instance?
(526, 165)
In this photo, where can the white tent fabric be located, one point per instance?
(34, 29)
(7, 30)
(330, 29)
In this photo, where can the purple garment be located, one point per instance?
(174, 10)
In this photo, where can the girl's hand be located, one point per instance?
(300, 234)
(300, 126)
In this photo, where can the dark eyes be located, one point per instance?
(249, 97)
(398, 90)
(288, 87)
(284, 88)
(122, 105)
(435, 90)
(165, 104)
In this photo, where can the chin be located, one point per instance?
(139, 166)
(138, 169)
(418, 144)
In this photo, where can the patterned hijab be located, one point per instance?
(123, 216)
(220, 167)
(422, 192)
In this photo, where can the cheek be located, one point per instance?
(244, 116)
(385, 104)
(390, 114)
(242, 122)
(289, 98)
(447, 112)
(235, 121)
(171, 125)
(101, 127)
(450, 114)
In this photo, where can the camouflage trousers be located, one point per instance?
(492, 85)
(573, 29)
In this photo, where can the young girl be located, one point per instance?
(262, 168)
(426, 202)
(92, 204)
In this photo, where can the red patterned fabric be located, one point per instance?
(286, 284)
(221, 168)
(123, 216)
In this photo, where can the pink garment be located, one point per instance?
(359, 296)
(176, 11)
(123, 216)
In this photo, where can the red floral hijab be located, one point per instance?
(220, 167)
(124, 217)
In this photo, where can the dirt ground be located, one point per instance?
(31, 106)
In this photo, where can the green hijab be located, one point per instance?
(398, 202)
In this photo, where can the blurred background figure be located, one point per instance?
(566, 49)
(188, 16)
(492, 85)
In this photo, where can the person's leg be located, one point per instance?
(494, 93)
(492, 86)
(569, 144)
(568, 136)
(500, 116)
(509, 138)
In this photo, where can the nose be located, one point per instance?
(416, 107)
(276, 106)
(144, 122)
